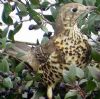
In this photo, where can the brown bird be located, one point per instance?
(68, 47)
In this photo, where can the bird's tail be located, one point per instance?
(25, 53)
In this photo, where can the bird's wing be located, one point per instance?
(34, 56)
(24, 52)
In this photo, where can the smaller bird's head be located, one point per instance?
(69, 13)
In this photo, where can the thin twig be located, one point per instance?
(78, 88)
(47, 21)
(51, 5)
(28, 43)
(81, 92)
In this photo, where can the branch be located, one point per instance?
(47, 21)
(28, 43)
(81, 92)
(78, 88)
(52, 5)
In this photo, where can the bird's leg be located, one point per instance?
(49, 92)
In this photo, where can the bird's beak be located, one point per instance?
(91, 8)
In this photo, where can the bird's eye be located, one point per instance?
(74, 9)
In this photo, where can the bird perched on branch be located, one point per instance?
(68, 47)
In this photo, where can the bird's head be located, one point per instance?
(69, 13)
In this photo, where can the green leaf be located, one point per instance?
(28, 77)
(79, 1)
(90, 24)
(50, 18)
(54, 12)
(17, 79)
(1, 32)
(5, 15)
(67, 1)
(65, 76)
(17, 27)
(7, 9)
(69, 76)
(35, 2)
(9, 45)
(72, 73)
(70, 94)
(19, 67)
(29, 84)
(5, 31)
(44, 5)
(81, 20)
(95, 73)
(82, 81)
(44, 40)
(22, 7)
(34, 15)
(37, 77)
(39, 94)
(11, 35)
(97, 3)
(89, 2)
(44, 29)
(79, 73)
(4, 66)
(7, 20)
(57, 97)
(79, 96)
(90, 85)
(95, 55)
(3, 41)
(7, 82)
(91, 19)
(97, 94)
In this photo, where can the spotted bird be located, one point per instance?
(68, 47)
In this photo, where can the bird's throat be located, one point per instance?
(72, 32)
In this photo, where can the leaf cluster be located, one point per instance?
(18, 81)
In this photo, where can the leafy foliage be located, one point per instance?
(16, 78)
